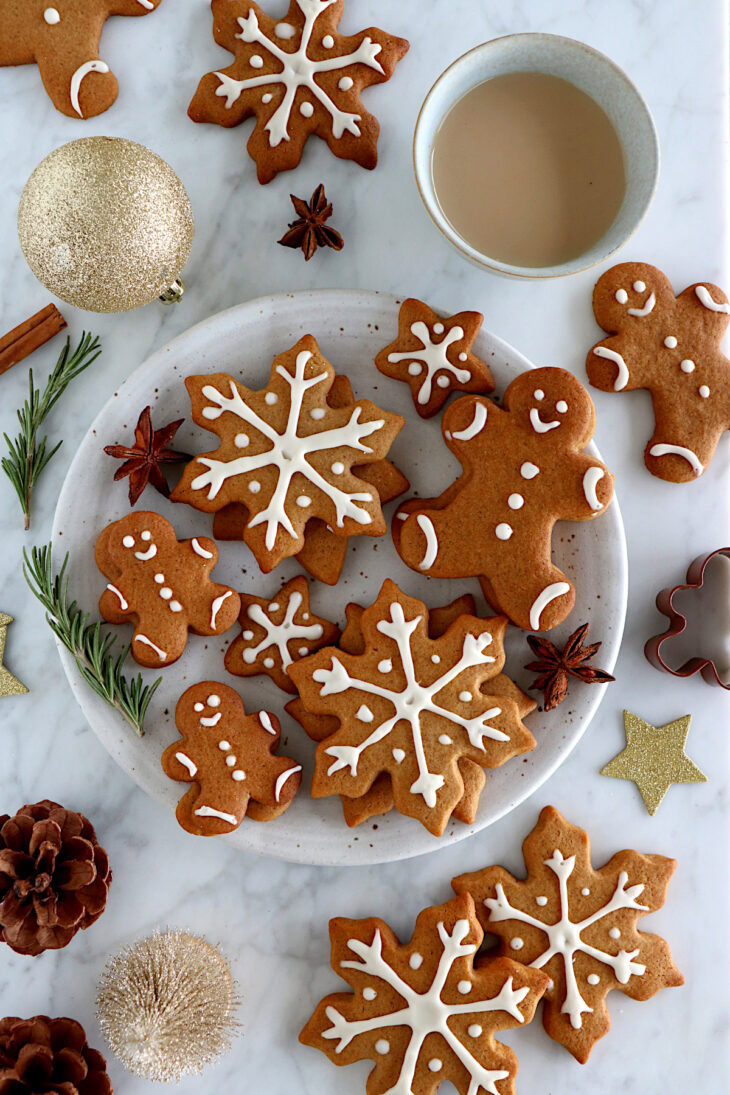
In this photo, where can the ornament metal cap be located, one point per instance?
(174, 293)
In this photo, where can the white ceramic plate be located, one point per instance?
(350, 328)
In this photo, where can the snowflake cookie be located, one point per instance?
(162, 586)
(299, 76)
(671, 347)
(524, 469)
(228, 756)
(379, 799)
(579, 925)
(287, 455)
(277, 631)
(412, 707)
(432, 354)
(425, 1012)
(62, 37)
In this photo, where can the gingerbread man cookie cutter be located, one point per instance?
(654, 648)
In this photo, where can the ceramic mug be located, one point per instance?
(587, 69)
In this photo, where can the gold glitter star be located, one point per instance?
(654, 758)
(9, 685)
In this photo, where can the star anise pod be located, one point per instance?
(556, 667)
(143, 460)
(309, 231)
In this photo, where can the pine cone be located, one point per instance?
(54, 878)
(43, 1056)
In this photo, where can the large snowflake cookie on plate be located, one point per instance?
(425, 1012)
(579, 925)
(62, 37)
(287, 455)
(299, 76)
(524, 469)
(670, 346)
(411, 706)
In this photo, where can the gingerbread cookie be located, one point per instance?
(287, 455)
(426, 1012)
(323, 553)
(671, 347)
(432, 354)
(579, 925)
(277, 631)
(299, 76)
(379, 799)
(62, 37)
(162, 586)
(524, 469)
(228, 756)
(412, 707)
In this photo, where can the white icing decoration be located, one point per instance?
(385, 666)
(474, 1030)
(593, 979)
(213, 720)
(122, 603)
(464, 987)
(81, 72)
(541, 900)
(382, 1046)
(256, 61)
(585, 891)
(615, 933)
(304, 501)
(298, 70)
(145, 556)
(539, 394)
(549, 594)
(289, 452)
(284, 30)
(564, 937)
(338, 468)
(640, 286)
(444, 739)
(503, 531)
(415, 961)
(463, 356)
(517, 944)
(198, 707)
(538, 425)
(175, 606)
(622, 376)
(128, 542)
(208, 811)
(200, 550)
(436, 659)
(186, 762)
(364, 714)
(306, 110)
(216, 607)
(529, 470)
(561, 406)
(678, 450)
(146, 4)
(433, 356)
(476, 425)
(241, 440)
(687, 366)
(346, 83)
(283, 779)
(515, 501)
(399, 755)
(415, 699)
(704, 391)
(465, 697)
(230, 761)
(51, 16)
(267, 97)
(591, 479)
(426, 1013)
(224, 746)
(266, 722)
(432, 544)
(670, 342)
(238, 775)
(703, 295)
(269, 663)
(254, 486)
(621, 296)
(369, 994)
(148, 642)
(279, 635)
(328, 41)
(271, 399)
(646, 308)
(214, 701)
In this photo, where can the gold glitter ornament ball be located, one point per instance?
(105, 224)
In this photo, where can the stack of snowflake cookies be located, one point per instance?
(408, 704)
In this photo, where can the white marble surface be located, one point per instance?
(273, 917)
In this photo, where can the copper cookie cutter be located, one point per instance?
(678, 622)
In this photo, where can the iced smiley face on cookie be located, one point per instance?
(162, 586)
(524, 469)
(228, 757)
(671, 347)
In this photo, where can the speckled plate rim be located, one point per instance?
(269, 839)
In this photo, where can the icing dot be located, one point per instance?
(444, 739)
(435, 658)
(198, 707)
(303, 501)
(539, 394)
(256, 61)
(271, 398)
(238, 775)
(51, 16)
(128, 541)
(415, 961)
(274, 606)
(541, 900)
(364, 714)
(435, 1064)
(328, 41)
(305, 615)
(687, 366)
(593, 978)
(474, 1031)
(166, 593)
(345, 83)
(517, 944)
(175, 606)
(284, 30)
(529, 470)
(267, 97)
(463, 356)
(240, 440)
(639, 286)
(224, 746)
(146, 535)
(398, 755)
(615, 933)
(561, 406)
(670, 342)
(231, 761)
(316, 413)
(269, 663)
(503, 531)
(306, 110)
(515, 501)
(585, 891)
(254, 486)
(464, 987)
(159, 578)
(385, 666)
(303, 651)
(369, 994)
(704, 391)
(414, 368)
(465, 697)
(382, 1047)
(338, 467)
(438, 328)
(443, 381)
(248, 635)
(621, 296)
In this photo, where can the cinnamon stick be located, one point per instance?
(29, 336)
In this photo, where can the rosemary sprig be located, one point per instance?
(90, 646)
(29, 456)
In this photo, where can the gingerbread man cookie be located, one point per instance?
(579, 925)
(524, 469)
(433, 355)
(426, 1012)
(62, 37)
(299, 76)
(162, 586)
(287, 455)
(670, 346)
(228, 756)
(277, 631)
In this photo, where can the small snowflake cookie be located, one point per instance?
(228, 757)
(298, 76)
(433, 356)
(524, 469)
(287, 455)
(162, 586)
(579, 925)
(426, 1012)
(412, 707)
(62, 37)
(276, 632)
(671, 347)
(379, 798)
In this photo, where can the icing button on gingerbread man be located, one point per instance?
(162, 585)
(671, 347)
